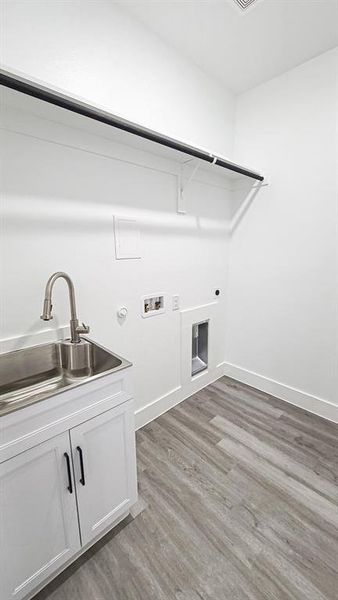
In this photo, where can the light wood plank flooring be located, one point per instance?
(239, 501)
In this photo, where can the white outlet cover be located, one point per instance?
(176, 302)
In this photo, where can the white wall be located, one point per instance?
(96, 51)
(61, 187)
(62, 184)
(282, 320)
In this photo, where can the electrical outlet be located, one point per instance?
(176, 302)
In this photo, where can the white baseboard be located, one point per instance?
(154, 409)
(318, 406)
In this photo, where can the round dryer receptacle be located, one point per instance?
(122, 312)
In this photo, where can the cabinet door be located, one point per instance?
(39, 529)
(105, 469)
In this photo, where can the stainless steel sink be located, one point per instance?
(38, 372)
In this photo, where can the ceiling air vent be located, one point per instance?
(244, 4)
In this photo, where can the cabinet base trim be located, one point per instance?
(76, 556)
(45, 568)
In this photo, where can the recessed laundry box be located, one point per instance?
(199, 354)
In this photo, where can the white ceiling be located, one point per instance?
(242, 48)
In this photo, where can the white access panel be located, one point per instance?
(127, 238)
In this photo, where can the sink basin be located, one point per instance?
(38, 372)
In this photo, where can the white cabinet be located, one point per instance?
(67, 475)
(39, 524)
(103, 453)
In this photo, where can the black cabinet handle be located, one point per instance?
(70, 484)
(82, 478)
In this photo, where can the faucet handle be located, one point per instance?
(82, 328)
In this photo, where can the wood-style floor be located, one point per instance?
(239, 501)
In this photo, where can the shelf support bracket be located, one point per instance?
(183, 183)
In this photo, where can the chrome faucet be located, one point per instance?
(75, 327)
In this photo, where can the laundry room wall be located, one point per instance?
(282, 312)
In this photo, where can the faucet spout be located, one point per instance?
(75, 327)
(47, 310)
